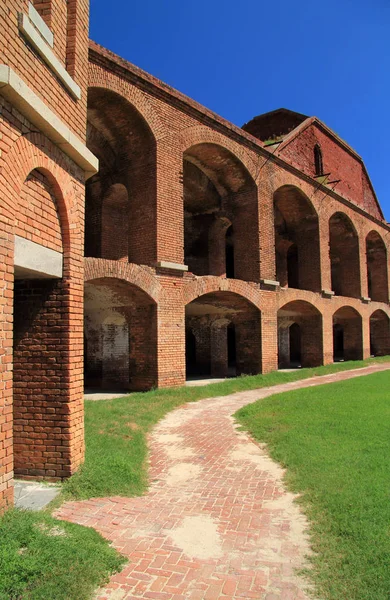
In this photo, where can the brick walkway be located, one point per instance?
(217, 521)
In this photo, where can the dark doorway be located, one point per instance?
(191, 368)
(229, 249)
(293, 267)
(338, 343)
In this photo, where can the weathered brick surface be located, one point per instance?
(42, 200)
(177, 184)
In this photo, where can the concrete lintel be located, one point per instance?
(328, 293)
(48, 55)
(270, 283)
(33, 261)
(163, 264)
(40, 24)
(365, 299)
(35, 110)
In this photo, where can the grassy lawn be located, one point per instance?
(334, 441)
(115, 431)
(42, 558)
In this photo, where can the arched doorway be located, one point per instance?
(227, 332)
(344, 256)
(221, 232)
(377, 276)
(379, 334)
(297, 249)
(121, 332)
(348, 335)
(299, 335)
(121, 197)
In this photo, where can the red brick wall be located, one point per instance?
(18, 54)
(337, 160)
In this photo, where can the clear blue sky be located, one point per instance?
(242, 58)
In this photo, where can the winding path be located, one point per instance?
(217, 522)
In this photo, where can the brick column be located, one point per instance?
(170, 214)
(171, 366)
(327, 334)
(266, 225)
(326, 279)
(269, 336)
(6, 420)
(363, 268)
(366, 336)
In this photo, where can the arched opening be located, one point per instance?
(377, 276)
(318, 163)
(226, 329)
(121, 197)
(344, 256)
(121, 330)
(379, 334)
(347, 334)
(42, 312)
(299, 335)
(219, 193)
(297, 245)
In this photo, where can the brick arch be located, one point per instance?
(348, 218)
(99, 78)
(349, 310)
(300, 334)
(35, 152)
(201, 134)
(139, 276)
(384, 310)
(207, 285)
(301, 296)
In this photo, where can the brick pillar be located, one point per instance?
(269, 337)
(266, 225)
(248, 345)
(366, 336)
(323, 225)
(217, 247)
(327, 334)
(6, 420)
(311, 341)
(143, 348)
(171, 367)
(246, 236)
(219, 350)
(363, 268)
(170, 214)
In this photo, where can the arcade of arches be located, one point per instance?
(220, 333)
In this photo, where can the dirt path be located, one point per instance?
(217, 521)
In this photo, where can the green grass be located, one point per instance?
(42, 558)
(115, 431)
(334, 441)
